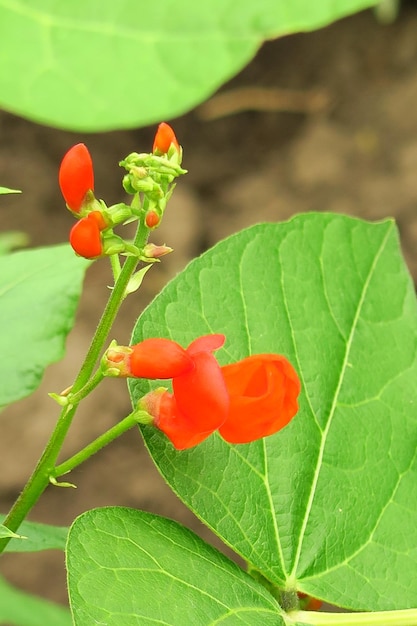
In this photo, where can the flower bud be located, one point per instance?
(152, 219)
(85, 238)
(151, 251)
(76, 177)
(164, 139)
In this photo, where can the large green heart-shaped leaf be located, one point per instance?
(39, 292)
(328, 505)
(130, 568)
(91, 65)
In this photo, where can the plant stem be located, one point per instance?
(75, 398)
(96, 445)
(39, 479)
(405, 617)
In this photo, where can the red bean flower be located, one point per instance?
(76, 176)
(245, 401)
(85, 236)
(164, 138)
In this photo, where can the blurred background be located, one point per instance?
(324, 121)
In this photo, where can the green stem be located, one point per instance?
(96, 445)
(115, 266)
(75, 398)
(39, 479)
(405, 617)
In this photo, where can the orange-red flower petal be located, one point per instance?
(263, 391)
(164, 137)
(159, 358)
(85, 238)
(76, 176)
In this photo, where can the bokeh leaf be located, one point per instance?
(89, 65)
(39, 292)
(22, 609)
(134, 568)
(37, 537)
(327, 506)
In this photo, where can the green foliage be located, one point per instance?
(133, 568)
(22, 609)
(327, 506)
(39, 292)
(88, 65)
(36, 537)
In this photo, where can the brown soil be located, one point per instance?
(350, 147)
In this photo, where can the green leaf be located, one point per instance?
(37, 537)
(39, 292)
(327, 506)
(127, 567)
(5, 190)
(96, 66)
(22, 609)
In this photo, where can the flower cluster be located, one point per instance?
(244, 401)
(149, 176)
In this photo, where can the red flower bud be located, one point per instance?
(76, 176)
(164, 138)
(152, 219)
(263, 391)
(85, 238)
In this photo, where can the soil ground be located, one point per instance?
(351, 147)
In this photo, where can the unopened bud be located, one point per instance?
(152, 251)
(152, 219)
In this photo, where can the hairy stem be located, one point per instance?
(96, 445)
(44, 469)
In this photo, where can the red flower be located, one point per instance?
(245, 401)
(164, 138)
(76, 176)
(263, 391)
(85, 237)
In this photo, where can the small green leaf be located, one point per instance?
(5, 190)
(37, 537)
(6, 532)
(74, 50)
(18, 608)
(328, 505)
(130, 568)
(39, 291)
